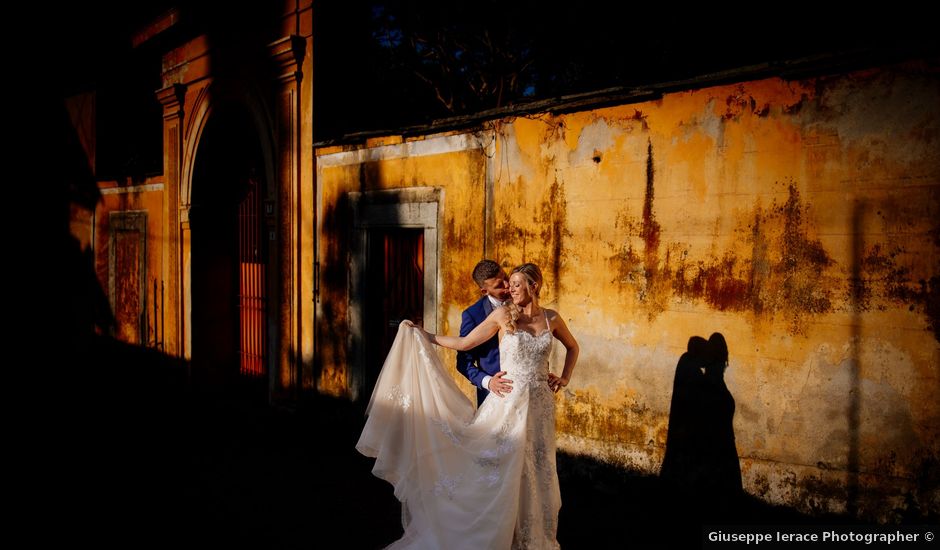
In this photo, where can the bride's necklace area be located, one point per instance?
(528, 319)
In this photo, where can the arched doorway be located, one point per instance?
(229, 256)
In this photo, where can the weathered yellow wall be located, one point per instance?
(797, 218)
(461, 177)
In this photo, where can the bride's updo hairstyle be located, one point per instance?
(533, 280)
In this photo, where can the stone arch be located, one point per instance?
(206, 103)
(215, 100)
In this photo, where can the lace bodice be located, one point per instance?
(524, 357)
(467, 479)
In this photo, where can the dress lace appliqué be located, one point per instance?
(483, 479)
(395, 395)
(447, 485)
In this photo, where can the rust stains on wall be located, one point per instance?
(883, 278)
(541, 241)
(628, 422)
(331, 350)
(650, 229)
(552, 220)
(740, 102)
(643, 272)
(717, 282)
(885, 282)
(798, 275)
(627, 263)
(894, 272)
(932, 306)
(786, 272)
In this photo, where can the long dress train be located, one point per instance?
(465, 480)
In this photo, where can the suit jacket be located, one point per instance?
(482, 360)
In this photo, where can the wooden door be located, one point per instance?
(394, 290)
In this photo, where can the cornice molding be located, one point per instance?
(172, 98)
(288, 54)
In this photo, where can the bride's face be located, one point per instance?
(519, 289)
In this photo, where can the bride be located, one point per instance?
(465, 480)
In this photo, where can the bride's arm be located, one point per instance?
(483, 332)
(560, 330)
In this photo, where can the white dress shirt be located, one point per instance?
(485, 383)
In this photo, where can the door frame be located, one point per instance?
(413, 207)
(129, 221)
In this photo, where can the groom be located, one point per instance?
(481, 364)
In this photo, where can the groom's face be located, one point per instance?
(497, 287)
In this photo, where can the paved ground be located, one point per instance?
(235, 474)
(132, 460)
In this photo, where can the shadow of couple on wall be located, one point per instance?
(700, 478)
(701, 467)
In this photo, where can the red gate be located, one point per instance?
(252, 263)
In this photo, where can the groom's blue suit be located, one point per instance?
(482, 360)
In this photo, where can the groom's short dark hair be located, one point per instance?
(486, 269)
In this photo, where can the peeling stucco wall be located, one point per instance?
(394, 164)
(797, 218)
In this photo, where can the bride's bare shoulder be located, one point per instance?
(554, 318)
(498, 314)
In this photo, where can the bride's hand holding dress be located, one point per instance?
(483, 480)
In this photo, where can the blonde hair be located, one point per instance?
(533, 278)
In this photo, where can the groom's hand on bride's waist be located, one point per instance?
(500, 385)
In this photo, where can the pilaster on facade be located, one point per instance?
(287, 55)
(172, 99)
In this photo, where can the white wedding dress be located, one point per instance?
(476, 481)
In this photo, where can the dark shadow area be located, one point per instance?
(118, 442)
(226, 244)
(243, 474)
(123, 418)
(682, 469)
(701, 469)
(386, 64)
(390, 64)
(722, 482)
(123, 450)
(853, 411)
(604, 506)
(108, 422)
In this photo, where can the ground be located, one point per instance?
(134, 455)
